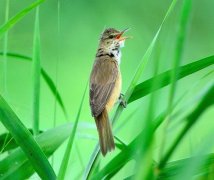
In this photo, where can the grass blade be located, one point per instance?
(17, 166)
(179, 46)
(54, 90)
(5, 44)
(190, 168)
(64, 164)
(36, 74)
(145, 87)
(174, 167)
(26, 141)
(191, 120)
(46, 77)
(8, 143)
(8, 25)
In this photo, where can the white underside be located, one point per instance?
(115, 53)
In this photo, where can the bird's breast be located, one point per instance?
(115, 93)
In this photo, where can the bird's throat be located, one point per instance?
(113, 52)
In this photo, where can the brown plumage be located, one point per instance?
(105, 85)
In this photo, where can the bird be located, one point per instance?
(105, 84)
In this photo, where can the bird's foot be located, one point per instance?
(122, 100)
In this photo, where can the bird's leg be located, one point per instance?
(122, 100)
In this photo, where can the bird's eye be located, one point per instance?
(111, 36)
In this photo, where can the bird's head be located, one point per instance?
(112, 37)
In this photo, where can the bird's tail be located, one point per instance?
(105, 132)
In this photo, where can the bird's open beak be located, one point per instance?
(119, 36)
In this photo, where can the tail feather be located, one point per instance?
(105, 132)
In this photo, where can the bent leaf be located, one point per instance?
(8, 25)
(17, 166)
(26, 141)
(46, 77)
(145, 87)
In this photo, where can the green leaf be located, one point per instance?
(8, 143)
(17, 166)
(179, 47)
(26, 141)
(145, 87)
(173, 168)
(46, 77)
(64, 164)
(54, 90)
(36, 74)
(8, 25)
(5, 48)
(191, 120)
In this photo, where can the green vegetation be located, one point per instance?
(47, 50)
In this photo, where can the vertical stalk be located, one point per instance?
(36, 74)
(181, 34)
(5, 47)
(56, 68)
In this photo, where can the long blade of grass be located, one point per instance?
(8, 25)
(173, 168)
(190, 168)
(145, 87)
(17, 55)
(66, 157)
(36, 74)
(179, 46)
(8, 143)
(54, 90)
(17, 166)
(46, 77)
(5, 43)
(26, 141)
(56, 67)
(191, 120)
(138, 74)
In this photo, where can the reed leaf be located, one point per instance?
(36, 74)
(46, 77)
(17, 166)
(145, 87)
(191, 120)
(66, 157)
(26, 141)
(12, 21)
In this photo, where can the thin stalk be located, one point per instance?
(5, 47)
(66, 157)
(145, 157)
(56, 68)
(36, 74)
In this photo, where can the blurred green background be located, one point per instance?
(68, 58)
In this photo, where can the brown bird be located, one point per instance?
(105, 84)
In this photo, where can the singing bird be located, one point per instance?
(105, 84)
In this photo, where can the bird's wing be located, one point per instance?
(102, 82)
